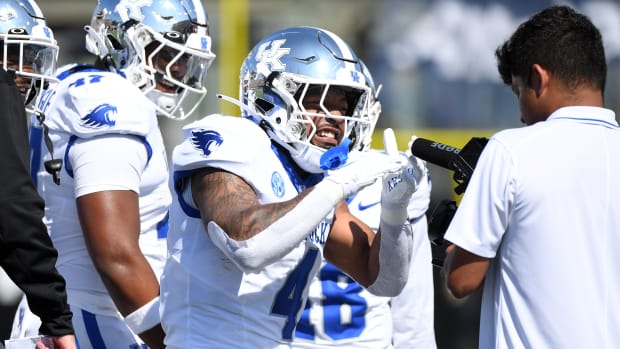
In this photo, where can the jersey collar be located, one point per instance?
(584, 114)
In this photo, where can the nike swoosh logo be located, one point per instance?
(365, 207)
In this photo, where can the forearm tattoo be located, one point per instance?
(233, 204)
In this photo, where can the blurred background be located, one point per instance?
(434, 59)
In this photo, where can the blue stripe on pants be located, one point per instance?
(92, 329)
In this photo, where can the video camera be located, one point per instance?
(462, 162)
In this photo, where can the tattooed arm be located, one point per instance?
(238, 211)
(251, 234)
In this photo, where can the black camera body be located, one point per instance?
(462, 162)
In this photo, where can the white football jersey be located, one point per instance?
(90, 106)
(341, 313)
(207, 301)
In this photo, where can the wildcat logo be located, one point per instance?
(100, 116)
(206, 141)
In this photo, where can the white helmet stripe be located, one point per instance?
(35, 7)
(200, 12)
(345, 51)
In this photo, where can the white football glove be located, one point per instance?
(362, 169)
(399, 186)
(413, 138)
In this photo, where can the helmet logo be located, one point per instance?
(6, 15)
(350, 75)
(131, 9)
(270, 58)
(206, 141)
(48, 32)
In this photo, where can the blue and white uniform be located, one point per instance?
(207, 301)
(106, 132)
(341, 313)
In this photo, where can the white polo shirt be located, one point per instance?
(544, 201)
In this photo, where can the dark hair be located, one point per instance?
(560, 40)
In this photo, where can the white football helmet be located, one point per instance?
(278, 73)
(163, 47)
(28, 48)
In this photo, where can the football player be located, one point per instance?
(107, 211)
(261, 198)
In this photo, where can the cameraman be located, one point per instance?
(540, 221)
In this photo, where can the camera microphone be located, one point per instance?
(461, 161)
(436, 153)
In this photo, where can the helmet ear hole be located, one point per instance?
(263, 105)
(17, 31)
(115, 44)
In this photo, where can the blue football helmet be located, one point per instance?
(280, 71)
(28, 48)
(163, 46)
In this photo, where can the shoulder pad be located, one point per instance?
(220, 141)
(92, 102)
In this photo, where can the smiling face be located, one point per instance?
(23, 82)
(164, 59)
(329, 130)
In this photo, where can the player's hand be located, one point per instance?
(60, 342)
(362, 169)
(399, 186)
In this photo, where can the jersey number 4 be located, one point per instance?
(288, 300)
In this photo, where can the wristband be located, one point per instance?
(394, 259)
(145, 317)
